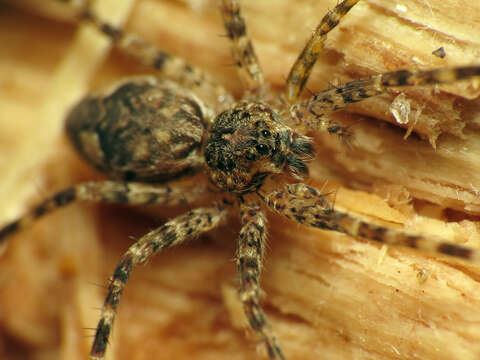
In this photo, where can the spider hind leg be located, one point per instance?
(106, 192)
(165, 64)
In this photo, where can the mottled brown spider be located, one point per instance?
(145, 131)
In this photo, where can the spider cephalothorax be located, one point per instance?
(247, 143)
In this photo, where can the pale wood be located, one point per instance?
(329, 296)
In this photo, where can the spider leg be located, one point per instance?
(249, 257)
(108, 192)
(166, 65)
(306, 205)
(175, 231)
(243, 52)
(335, 99)
(298, 76)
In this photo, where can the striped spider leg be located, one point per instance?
(243, 53)
(308, 206)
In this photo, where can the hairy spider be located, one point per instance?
(144, 132)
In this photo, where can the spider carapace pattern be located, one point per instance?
(146, 131)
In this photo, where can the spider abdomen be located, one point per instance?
(142, 129)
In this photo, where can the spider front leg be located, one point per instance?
(249, 256)
(107, 192)
(334, 99)
(174, 232)
(243, 52)
(300, 72)
(306, 205)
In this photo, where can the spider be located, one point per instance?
(242, 145)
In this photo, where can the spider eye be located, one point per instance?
(265, 133)
(262, 149)
(250, 156)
